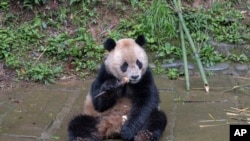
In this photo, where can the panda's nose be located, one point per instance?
(134, 76)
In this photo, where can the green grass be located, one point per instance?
(50, 43)
(159, 20)
(42, 50)
(222, 22)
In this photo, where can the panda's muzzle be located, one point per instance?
(134, 79)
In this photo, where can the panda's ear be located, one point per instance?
(109, 44)
(140, 40)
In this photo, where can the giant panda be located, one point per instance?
(123, 100)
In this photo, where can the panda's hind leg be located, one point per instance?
(83, 128)
(153, 128)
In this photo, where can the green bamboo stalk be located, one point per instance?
(184, 56)
(191, 42)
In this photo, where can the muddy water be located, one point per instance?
(43, 112)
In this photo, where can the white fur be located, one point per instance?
(126, 50)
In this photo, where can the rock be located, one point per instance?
(230, 72)
(191, 70)
(241, 67)
(218, 67)
(190, 66)
(248, 74)
(222, 48)
(177, 64)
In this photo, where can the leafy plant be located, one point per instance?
(81, 49)
(135, 3)
(173, 73)
(43, 41)
(74, 1)
(133, 28)
(44, 73)
(13, 61)
(31, 3)
(209, 56)
(221, 22)
(18, 40)
(158, 69)
(55, 40)
(239, 58)
(169, 50)
(4, 5)
(57, 45)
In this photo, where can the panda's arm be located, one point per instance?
(145, 99)
(138, 116)
(106, 84)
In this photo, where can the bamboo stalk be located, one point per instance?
(211, 116)
(21, 136)
(240, 119)
(214, 120)
(246, 78)
(233, 111)
(213, 125)
(236, 87)
(191, 42)
(232, 114)
(184, 55)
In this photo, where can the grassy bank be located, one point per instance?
(43, 40)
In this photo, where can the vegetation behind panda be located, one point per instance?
(123, 100)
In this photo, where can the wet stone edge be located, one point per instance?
(233, 69)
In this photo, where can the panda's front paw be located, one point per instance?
(126, 133)
(110, 85)
(144, 135)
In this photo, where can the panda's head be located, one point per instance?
(126, 58)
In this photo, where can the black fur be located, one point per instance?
(109, 44)
(145, 100)
(83, 127)
(104, 82)
(140, 40)
(156, 124)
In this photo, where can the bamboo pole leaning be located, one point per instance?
(177, 5)
(184, 55)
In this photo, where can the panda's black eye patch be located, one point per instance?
(139, 64)
(124, 67)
